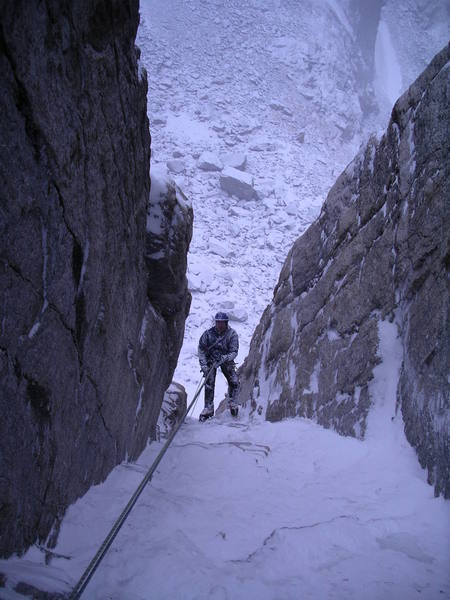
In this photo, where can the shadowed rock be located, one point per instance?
(87, 345)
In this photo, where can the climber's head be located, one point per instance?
(221, 320)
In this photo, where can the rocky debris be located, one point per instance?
(219, 248)
(240, 315)
(263, 147)
(196, 284)
(176, 165)
(378, 253)
(173, 408)
(281, 108)
(235, 160)
(208, 161)
(159, 120)
(93, 306)
(237, 183)
(235, 313)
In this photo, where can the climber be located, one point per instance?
(218, 347)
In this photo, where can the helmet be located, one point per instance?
(221, 316)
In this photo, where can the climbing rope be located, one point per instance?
(93, 565)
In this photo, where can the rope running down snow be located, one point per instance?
(93, 565)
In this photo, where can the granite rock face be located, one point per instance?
(91, 322)
(379, 251)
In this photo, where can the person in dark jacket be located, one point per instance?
(218, 347)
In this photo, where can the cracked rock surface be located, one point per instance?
(377, 252)
(86, 350)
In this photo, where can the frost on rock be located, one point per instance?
(169, 231)
(375, 254)
(173, 407)
(237, 183)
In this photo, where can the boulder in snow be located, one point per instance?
(239, 315)
(209, 161)
(237, 183)
(176, 165)
(235, 160)
(219, 248)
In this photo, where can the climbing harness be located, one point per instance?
(93, 565)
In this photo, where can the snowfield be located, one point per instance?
(247, 509)
(254, 510)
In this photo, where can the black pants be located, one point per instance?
(229, 370)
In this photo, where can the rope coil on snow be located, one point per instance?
(93, 565)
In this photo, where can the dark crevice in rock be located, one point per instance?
(39, 398)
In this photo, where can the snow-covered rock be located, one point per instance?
(208, 161)
(240, 315)
(281, 108)
(158, 120)
(196, 283)
(222, 249)
(237, 183)
(360, 311)
(173, 407)
(236, 160)
(176, 165)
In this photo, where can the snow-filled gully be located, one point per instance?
(252, 509)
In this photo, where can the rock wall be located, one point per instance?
(379, 250)
(87, 344)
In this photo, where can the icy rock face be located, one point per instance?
(172, 409)
(379, 250)
(86, 346)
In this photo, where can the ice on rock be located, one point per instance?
(176, 166)
(209, 161)
(237, 183)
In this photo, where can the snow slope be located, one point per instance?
(241, 510)
(247, 509)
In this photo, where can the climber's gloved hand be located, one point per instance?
(218, 363)
(204, 369)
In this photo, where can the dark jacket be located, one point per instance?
(215, 347)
